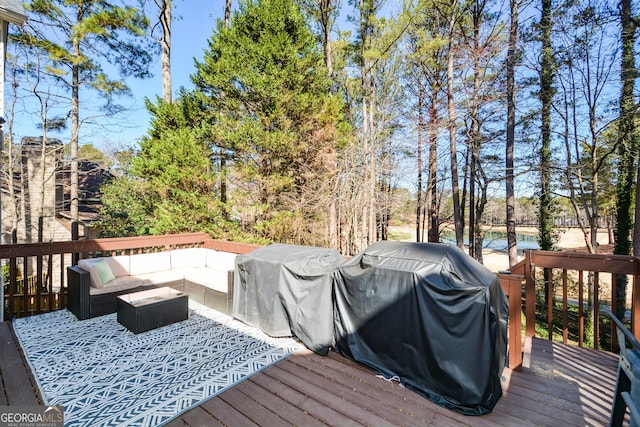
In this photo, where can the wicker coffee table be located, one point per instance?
(146, 310)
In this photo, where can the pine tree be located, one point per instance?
(169, 186)
(81, 38)
(267, 93)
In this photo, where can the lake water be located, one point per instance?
(497, 240)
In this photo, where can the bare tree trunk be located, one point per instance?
(223, 146)
(482, 202)
(570, 175)
(326, 19)
(227, 13)
(419, 202)
(511, 132)
(434, 232)
(475, 212)
(164, 18)
(75, 127)
(11, 163)
(373, 169)
(365, 119)
(471, 164)
(457, 217)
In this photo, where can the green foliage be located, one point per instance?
(169, 186)
(93, 154)
(265, 89)
(127, 208)
(85, 36)
(6, 270)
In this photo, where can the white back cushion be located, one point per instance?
(222, 261)
(189, 257)
(149, 263)
(119, 265)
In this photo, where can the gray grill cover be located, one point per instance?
(285, 290)
(429, 315)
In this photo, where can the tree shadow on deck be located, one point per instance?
(560, 384)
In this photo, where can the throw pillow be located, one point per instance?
(104, 271)
(89, 265)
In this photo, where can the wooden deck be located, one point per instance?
(558, 385)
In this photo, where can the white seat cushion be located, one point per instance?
(117, 284)
(214, 279)
(161, 277)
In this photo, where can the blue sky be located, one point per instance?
(193, 23)
(192, 26)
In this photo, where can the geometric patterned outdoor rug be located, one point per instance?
(104, 375)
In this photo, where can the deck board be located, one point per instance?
(557, 385)
(17, 388)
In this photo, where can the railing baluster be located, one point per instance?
(60, 296)
(565, 308)
(614, 310)
(39, 272)
(13, 278)
(580, 308)
(548, 279)
(25, 288)
(635, 301)
(596, 310)
(50, 283)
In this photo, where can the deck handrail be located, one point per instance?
(594, 265)
(48, 296)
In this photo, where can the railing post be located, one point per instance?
(530, 293)
(635, 300)
(75, 257)
(512, 287)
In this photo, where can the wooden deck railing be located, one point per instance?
(564, 289)
(46, 264)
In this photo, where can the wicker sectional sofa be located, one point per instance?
(206, 275)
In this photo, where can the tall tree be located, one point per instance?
(627, 150)
(585, 69)
(265, 81)
(451, 112)
(627, 135)
(82, 37)
(367, 10)
(546, 75)
(223, 148)
(511, 132)
(427, 70)
(325, 13)
(164, 20)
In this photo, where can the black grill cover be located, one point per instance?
(428, 315)
(285, 290)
